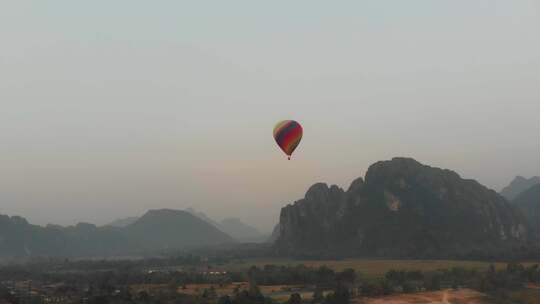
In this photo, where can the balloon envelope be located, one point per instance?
(288, 134)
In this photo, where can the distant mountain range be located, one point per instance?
(154, 232)
(403, 209)
(202, 216)
(519, 185)
(241, 231)
(234, 227)
(171, 229)
(123, 222)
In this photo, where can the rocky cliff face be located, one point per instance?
(529, 203)
(402, 209)
(313, 221)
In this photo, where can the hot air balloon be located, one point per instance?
(288, 134)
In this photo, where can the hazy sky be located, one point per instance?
(109, 108)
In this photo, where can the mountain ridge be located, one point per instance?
(123, 222)
(231, 226)
(402, 208)
(529, 203)
(518, 185)
(155, 231)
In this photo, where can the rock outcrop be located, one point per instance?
(403, 209)
(529, 204)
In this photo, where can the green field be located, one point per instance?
(368, 267)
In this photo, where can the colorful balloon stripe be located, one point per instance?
(288, 134)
